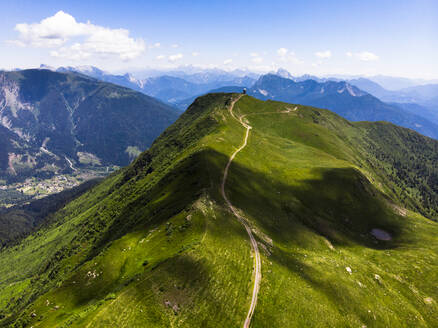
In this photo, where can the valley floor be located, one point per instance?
(36, 188)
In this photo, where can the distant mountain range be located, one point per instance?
(424, 95)
(415, 107)
(397, 83)
(54, 122)
(341, 97)
(171, 86)
(185, 103)
(400, 90)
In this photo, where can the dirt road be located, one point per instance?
(257, 261)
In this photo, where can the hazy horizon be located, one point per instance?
(145, 72)
(393, 38)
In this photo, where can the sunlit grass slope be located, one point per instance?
(155, 246)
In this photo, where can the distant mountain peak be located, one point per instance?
(352, 90)
(48, 67)
(284, 73)
(84, 69)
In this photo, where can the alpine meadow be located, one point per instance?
(243, 172)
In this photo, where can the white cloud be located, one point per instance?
(257, 60)
(52, 31)
(228, 61)
(195, 54)
(364, 56)
(159, 57)
(288, 56)
(155, 45)
(254, 54)
(367, 56)
(56, 31)
(74, 52)
(176, 45)
(282, 52)
(323, 54)
(174, 58)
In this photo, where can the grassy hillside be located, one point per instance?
(155, 245)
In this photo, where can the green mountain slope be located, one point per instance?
(16, 222)
(62, 121)
(156, 245)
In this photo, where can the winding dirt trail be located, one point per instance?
(70, 163)
(257, 261)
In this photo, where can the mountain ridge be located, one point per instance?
(170, 86)
(180, 88)
(56, 116)
(155, 244)
(340, 97)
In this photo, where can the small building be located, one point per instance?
(244, 91)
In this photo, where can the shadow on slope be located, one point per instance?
(339, 204)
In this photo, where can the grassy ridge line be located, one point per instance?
(257, 262)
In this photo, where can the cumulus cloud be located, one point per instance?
(90, 39)
(52, 31)
(254, 54)
(323, 54)
(159, 57)
(257, 60)
(176, 45)
(228, 61)
(174, 58)
(195, 54)
(364, 55)
(288, 56)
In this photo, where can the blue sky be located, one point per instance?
(398, 38)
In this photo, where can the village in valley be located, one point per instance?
(20, 193)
